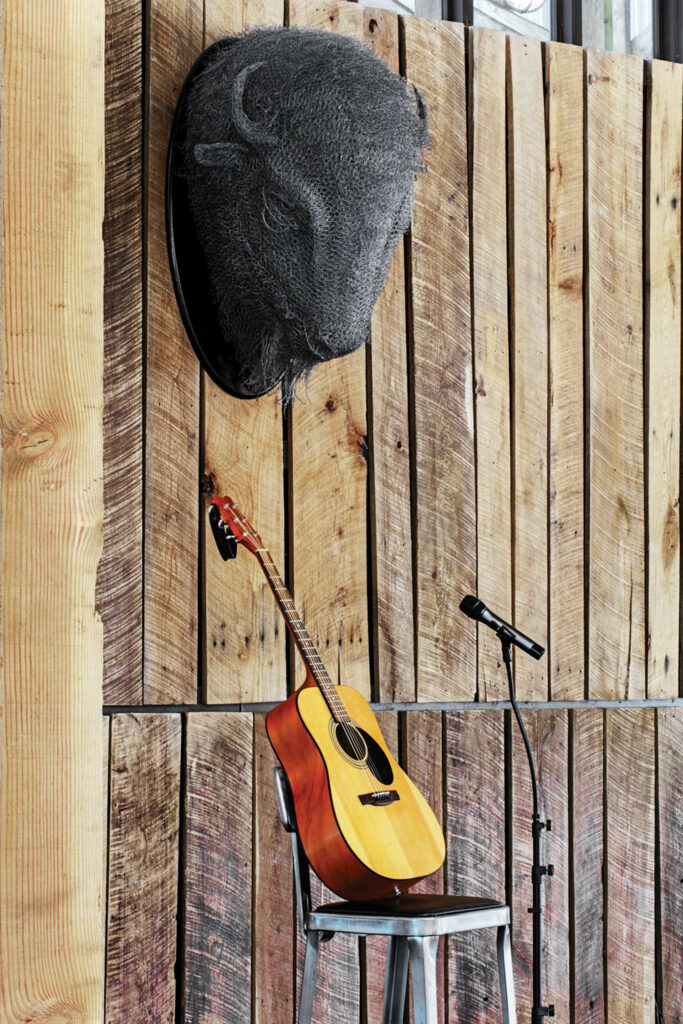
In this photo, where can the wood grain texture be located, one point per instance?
(244, 635)
(663, 368)
(475, 860)
(143, 868)
(218, 868)
(374, 947)
(51, 352)
(564, 90)
(172, 394)
(630, 859)
(614, 179)
(423, 761)
(670, 857)
(488, 191)
(587, 858)
(119, 577)
(273, 895)
(547, 731)
(328, 475)
(389, 451)
(445, 531)
(527, 217)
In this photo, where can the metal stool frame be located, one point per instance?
(410, 939)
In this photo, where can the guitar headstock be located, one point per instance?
(237, 524)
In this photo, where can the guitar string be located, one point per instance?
(358, 745)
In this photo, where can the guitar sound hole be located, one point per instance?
(358, 745)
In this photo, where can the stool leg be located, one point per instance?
(507, 981)
(309, 978)
(395, 978)
(423, 973)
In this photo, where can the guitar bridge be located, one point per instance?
(381, 798)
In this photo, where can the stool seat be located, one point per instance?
(410, 905)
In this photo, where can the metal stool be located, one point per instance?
(413, 924)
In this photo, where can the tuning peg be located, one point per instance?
(226, 542)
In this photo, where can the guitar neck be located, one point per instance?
(302, 639)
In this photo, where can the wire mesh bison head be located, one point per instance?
(299, 153)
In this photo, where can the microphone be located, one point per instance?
(477, 610)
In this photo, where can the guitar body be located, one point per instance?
(367, 833)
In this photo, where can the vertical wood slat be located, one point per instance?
(586, 860)
(670, 858)
(389, 451)
(445, 531)
(423, 762)
(475, 859)
(491, 347)
(630, 858)
(119, 576)
(527, 220)
(218, 868)
(663, 366)
(51, 947)
(374, 960)
(564, 85)
(614, 129)
(272, 896)
(172, 400)
(547, 731)
(244, 635)
(329, 473)
(143, 867)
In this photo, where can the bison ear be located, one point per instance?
(220, 154)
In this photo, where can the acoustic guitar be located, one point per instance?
(366, 829)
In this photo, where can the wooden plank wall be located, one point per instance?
(216, 941)
(513, 430)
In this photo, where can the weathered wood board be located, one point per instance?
(586, 752)
(119, 575)
(670, 861)
(663, 369)
(389, 451)
(564, 92)
(440, 329)
(328, 473)
(488, 197)
(217, 946)
(527, 220)
(144, 819)
(172, 392)
(272, 897)
(547, 731)
(614, 188)
(630, 864)
(474, 768)
(51, 353)
(244, 636)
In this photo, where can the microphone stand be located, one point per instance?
(538, 870)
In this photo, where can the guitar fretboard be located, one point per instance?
(302, 639)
